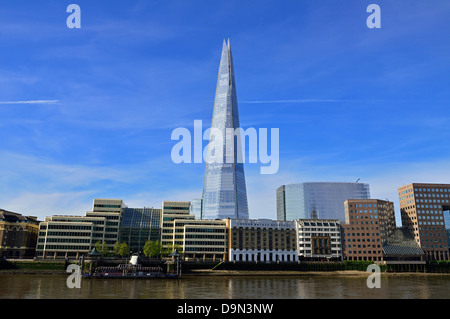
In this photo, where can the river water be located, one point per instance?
(226, 287)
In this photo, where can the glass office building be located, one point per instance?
(317, 200)
(447, 223)
(224, 190)
(196, 208)
(140, 225)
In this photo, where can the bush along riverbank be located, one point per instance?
(31, 266)
(190, 267)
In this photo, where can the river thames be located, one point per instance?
(41, 286)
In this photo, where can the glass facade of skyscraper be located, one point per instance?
(140, 225)
(196, 208)
(317, 200)
(224, 189)
(447, 223)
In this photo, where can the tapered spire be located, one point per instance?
(224, 189)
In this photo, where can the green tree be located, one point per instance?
(123, 249)
(152, 248)
(116, 248)
(102, 248)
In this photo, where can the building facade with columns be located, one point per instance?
(261, 240)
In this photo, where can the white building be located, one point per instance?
(318, 239)
(262, 240)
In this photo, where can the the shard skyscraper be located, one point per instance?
(224, 190)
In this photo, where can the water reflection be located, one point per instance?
(270, 287)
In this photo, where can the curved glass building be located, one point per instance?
(224, 190)
(323, 200)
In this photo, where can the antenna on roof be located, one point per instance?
(357, 180)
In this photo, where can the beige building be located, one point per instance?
(69, 236)
(422, 209)
(369, 223)
(262, 240)
(18, 235)
(202, 239)
(63, 236)
(172, 210)
(198, 239)
(112, 210)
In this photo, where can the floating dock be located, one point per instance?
(130, 272)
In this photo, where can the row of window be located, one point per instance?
(67, 247)
(305, 234)
(205, 236)
(433, 195)
(365, 252)
(107, 206)
(442, 190)
(204, 230)
(439, 201)
(204, 243)
(362, 223)
(434, 246)
(364, 217)
(176, 208)
(303, 246)
(362, 246)
(360, 234)
(430, 223)
(65, 240)
(328, 229)
(363, 205)
(204, 249)
(360, 240)
(75, 227)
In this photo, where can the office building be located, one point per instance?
(317, 200)
(447, 225)
(196, 208)
(262, 240)
(111, 210)
(368, 225)
(204, 240)
(73, 236)
(18, 235)
(139, 225)
(224, 189)
(422, 207)
(172, 210)
(69, 236)
(318, 239)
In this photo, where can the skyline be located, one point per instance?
(87, 113)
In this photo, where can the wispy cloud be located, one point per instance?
(31, 102)
(44, 204)
(293, 101)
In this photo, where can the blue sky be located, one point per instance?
(88, 113)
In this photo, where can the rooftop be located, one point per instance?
(402, 242)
